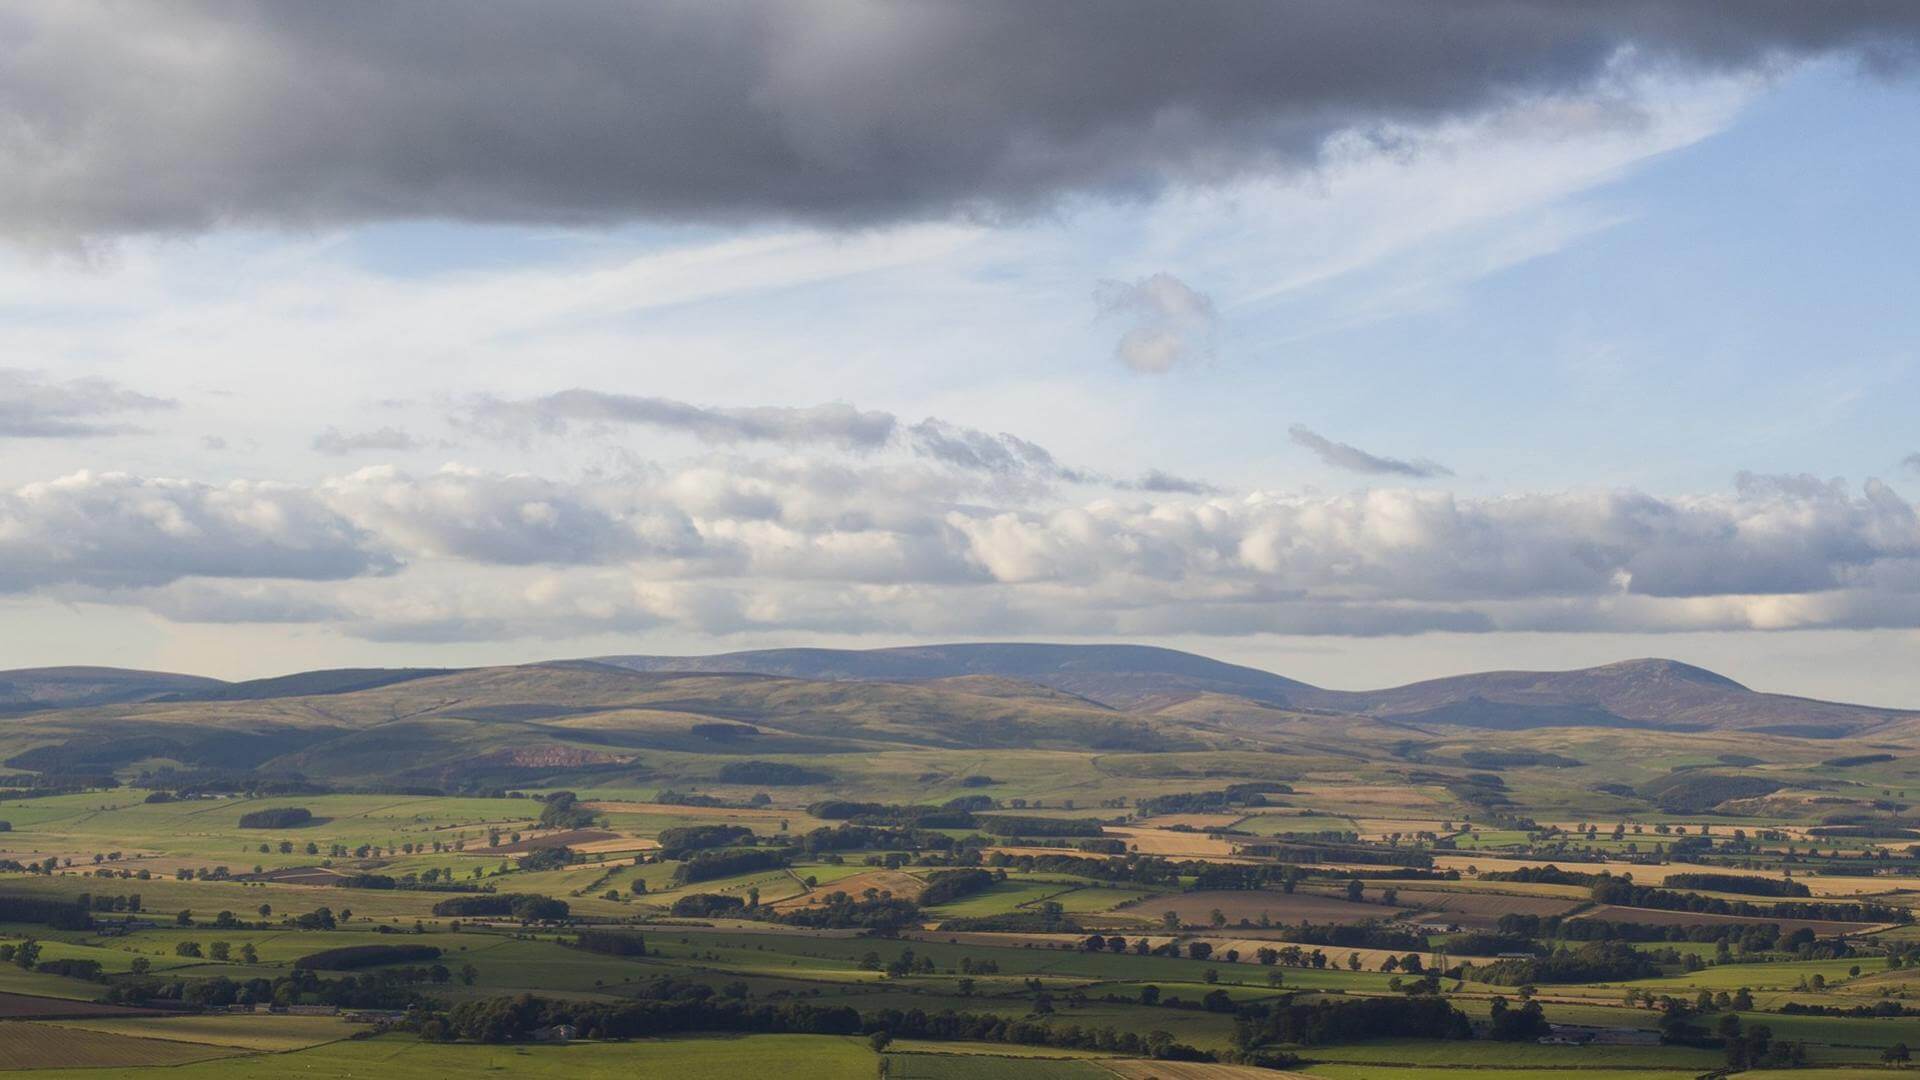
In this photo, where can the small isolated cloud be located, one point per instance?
(1162, 483)
(213, 442)
(1911, 462)
(337, 443)
(33, 407)
(1341, 455)
(1172, 323)
(837, 424)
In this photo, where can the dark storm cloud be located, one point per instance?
(1341, 455)
(124, 118)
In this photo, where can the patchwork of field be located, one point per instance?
(407, 1058)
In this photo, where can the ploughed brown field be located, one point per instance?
(1482, 910)
(1197, 908)
(23, 1007)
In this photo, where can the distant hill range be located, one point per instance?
(1661, 694)
(421, 721)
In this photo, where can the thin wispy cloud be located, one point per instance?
(336, 443)
(1351, 458)
(36, 406)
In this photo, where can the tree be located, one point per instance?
(1149, 995)
(141, 965)
(1356, 890)
(879, 1041)
(1897, 1054)
(219, 950)
(27, 953)
(1170, 920)
(249, 954)
(187, 948)
(266, 910)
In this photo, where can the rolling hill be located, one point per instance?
(1658, 694)
(677, 718)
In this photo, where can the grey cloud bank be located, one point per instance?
(739, 545)
(822, 110)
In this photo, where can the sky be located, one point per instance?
(1363, 343)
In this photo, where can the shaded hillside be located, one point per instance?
(480, 721)
(27, 689)
(1119, 676)
(1659, 694)
(308, 684)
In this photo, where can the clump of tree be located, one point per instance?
(945, 886)
(677, 842)
(1017, 825)
(527, 907)
(771, 773)
(354, 957)
(1596, 961)
(280, 817)
(707, 906)
(611, 943)
(709, 865)
(562, 810)
(1737, 883)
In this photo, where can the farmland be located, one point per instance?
(944, 910)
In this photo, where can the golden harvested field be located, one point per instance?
(704, 813)
(569, 838)
(1194, 821)
(1197, 908)
(1819, 884)
(905, 886)
(618, 843)
(1379, 828)
(1169, 842)
(36, 1045)
(1377, 800)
